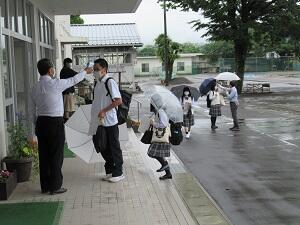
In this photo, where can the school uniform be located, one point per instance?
(113, 153)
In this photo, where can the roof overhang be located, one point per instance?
(79, 7)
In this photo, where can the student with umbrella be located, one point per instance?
(188, 115)
(215, 107)
(160, 145)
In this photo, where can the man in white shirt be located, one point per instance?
(46, 101)
(104, 113)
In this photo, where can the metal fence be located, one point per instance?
(257, 64)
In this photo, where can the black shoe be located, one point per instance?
(163, 168)
(59, 191)
(166, 176)
(236, 129)
(44, 191)
(231, 128)
(214, 127)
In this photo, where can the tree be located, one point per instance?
(189, 47)
(76, 19)
(232, 20)
(216, 49)
(173, 48)
(148, 50)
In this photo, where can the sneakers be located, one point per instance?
(188, 135)
(107, 177)
(116, 179)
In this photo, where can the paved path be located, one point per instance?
(141, 199)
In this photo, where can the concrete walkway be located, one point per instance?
(140, 199)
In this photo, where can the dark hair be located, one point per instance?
(213, 86)
(102, 62)
(67, 60)
(184, 90)
(232, 83)
(152, 108)
(44, 65)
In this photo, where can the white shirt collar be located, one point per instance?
(45, 77)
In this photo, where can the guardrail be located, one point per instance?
(139, 104)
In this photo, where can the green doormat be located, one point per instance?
(32, 213)
(68, 153)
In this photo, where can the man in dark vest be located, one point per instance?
(68, 95)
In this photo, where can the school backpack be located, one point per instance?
(208, 101)
(176, 133)
(123, 109)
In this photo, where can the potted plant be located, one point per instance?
(21, 154)
(8, 182)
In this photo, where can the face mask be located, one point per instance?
(96, 75)
(186, 93)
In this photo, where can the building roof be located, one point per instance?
(181, 55)
(107, 35)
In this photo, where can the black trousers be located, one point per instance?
(233, 108)
(51, 139)
(113, 153)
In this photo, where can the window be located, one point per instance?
(28, 20)
(3, 13)
(20, 6)
(180, 66)
(46, 30)
(145, 67)
(12, 14)
(5, 67)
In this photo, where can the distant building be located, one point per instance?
(116, 43)
(186, 64)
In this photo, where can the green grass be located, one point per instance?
(68, 153)
(31, 213)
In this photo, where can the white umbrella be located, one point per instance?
(162, 98)
(227, 76)
(78, 140)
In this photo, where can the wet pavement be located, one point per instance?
(254, 174)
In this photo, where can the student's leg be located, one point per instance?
(105, 153)
(116, 151)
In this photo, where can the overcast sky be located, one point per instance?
(149, 20)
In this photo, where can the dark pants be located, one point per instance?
(233, 108)
(51, 139)
(112, 154)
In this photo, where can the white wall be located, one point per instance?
(155, 66)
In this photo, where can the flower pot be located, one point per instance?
(8, 186)
(21, 166)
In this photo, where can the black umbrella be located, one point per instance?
(178, 91)
(206, 86)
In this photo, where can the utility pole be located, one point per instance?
(166, 46)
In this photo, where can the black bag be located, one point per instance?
(123, 109)
(176, 133)
(100, 139)
(208, 101)
(147, 137)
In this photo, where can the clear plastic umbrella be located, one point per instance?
(227, 76)
(162, 98)
(78, 140)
